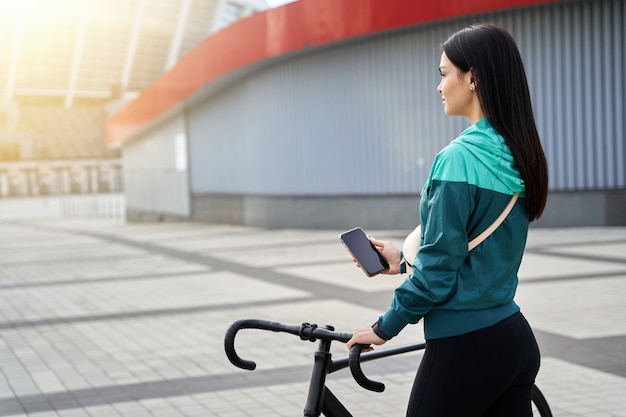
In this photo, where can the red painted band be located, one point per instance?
(274, 32)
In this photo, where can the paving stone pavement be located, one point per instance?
(104, 318)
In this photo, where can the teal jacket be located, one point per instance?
(470, 183)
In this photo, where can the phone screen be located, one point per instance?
(372, 262)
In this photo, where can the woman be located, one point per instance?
(481, 356)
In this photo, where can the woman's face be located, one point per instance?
(456, 89)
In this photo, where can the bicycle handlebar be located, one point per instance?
(305, 331)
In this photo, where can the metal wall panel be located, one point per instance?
(156, 176)
(364, 117)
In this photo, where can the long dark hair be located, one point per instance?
(492, 56)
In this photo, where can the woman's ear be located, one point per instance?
(472, 84)
(473, 79)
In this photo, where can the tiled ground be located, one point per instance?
(101, 318)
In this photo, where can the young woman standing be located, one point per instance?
(481, 356)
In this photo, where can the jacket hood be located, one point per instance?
(492, 152)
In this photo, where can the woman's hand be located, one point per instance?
(390, 253)
(365, 336)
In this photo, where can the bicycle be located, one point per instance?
(320, 399)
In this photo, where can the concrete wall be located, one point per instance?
(585, 208)
(564, 209)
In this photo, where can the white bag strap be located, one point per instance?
(484, 235)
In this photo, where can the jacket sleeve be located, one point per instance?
(433, 279)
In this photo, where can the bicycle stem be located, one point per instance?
(315, 398)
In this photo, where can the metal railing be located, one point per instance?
(41, 178)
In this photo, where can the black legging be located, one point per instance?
(486, 373)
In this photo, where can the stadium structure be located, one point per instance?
(318, 113)
(324, 114)
(67, 65)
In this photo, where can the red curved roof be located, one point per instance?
(279, 31)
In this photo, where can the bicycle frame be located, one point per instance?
(320, 399)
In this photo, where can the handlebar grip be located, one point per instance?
(229, 347)
(357, 372)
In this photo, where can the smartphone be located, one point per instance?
(359, 245)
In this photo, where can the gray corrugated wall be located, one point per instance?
(364, 117)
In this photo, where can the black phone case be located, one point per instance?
(358, 244)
